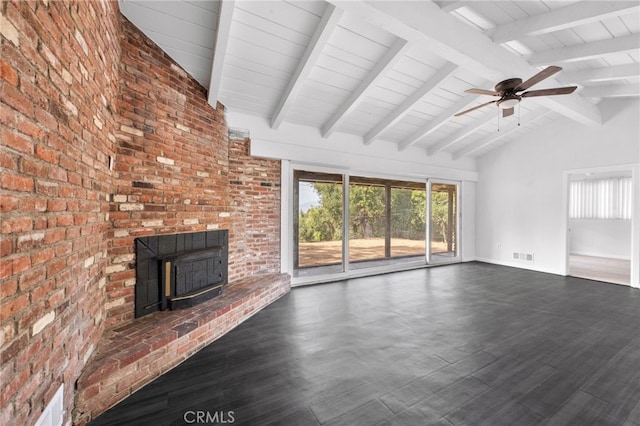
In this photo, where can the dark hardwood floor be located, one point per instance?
(466, 344)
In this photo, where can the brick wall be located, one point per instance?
(254, 191)
(176, 171)
(58, 89)
(80, 85)
(171, 164)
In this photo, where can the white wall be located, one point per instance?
(300, 145)
(600, 237)
(520, 200)
(468, 221)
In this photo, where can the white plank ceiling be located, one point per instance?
(398, 70)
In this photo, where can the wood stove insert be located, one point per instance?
(179, 270)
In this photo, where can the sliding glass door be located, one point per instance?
(318, 205)
(443, 222)
(386, 222)
(346, 223)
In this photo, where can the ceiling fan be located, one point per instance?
(508, 90)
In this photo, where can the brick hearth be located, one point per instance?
(133, 355)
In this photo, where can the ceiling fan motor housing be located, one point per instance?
(508, 86)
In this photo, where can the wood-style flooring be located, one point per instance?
(465, 344)
(617, 271)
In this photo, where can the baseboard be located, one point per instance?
(521, 265)
(607, 256)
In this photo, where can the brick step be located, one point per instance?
(130, 356)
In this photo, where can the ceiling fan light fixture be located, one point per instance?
(508, 103)
(512, 90)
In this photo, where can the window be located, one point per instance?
(608, 198)
(378, 222)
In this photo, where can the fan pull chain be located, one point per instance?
(519, 107)
(499, 112)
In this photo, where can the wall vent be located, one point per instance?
(236, 134)
(527, 257)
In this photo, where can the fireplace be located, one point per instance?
(179, 270)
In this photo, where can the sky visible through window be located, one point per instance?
(308, 196)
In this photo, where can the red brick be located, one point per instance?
(14, 98)
(28, 127)
(20, 264)
(6, 268)
(41, 291)
(33, 204)
(56, 205)
(25, 356)
(10, 307)
(56, 235)
(17, 142)
(8, 203)
(65, 220)
(55, 298)
(46, 120)
(39, 362)
(59, 174)
(14, 182)
(33, 167)
(55, 266)
(97, 374)
(31, 277)
(9, 390)
(8, 288)
(18, 224)
(8, 73)
(8, 160)
(46, 154)
(43, 255)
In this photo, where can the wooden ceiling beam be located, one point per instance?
(437, 122)
(318, 41)
(390, 58)
(562, 18)
(447, 37)
(223, 29)
(493, 138)
(612, 91)
(451, 5)
(614, 72)
(403, 109)
(582, 52)
(462, 133)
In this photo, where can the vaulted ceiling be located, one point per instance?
(397, 71)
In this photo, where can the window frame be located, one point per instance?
(290, 167)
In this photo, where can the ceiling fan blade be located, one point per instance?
(550, 92)
(474, 108)
(482, 92)
(507, 112)
(545, 73)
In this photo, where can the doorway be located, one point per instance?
(318, 206)
(600, 226)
